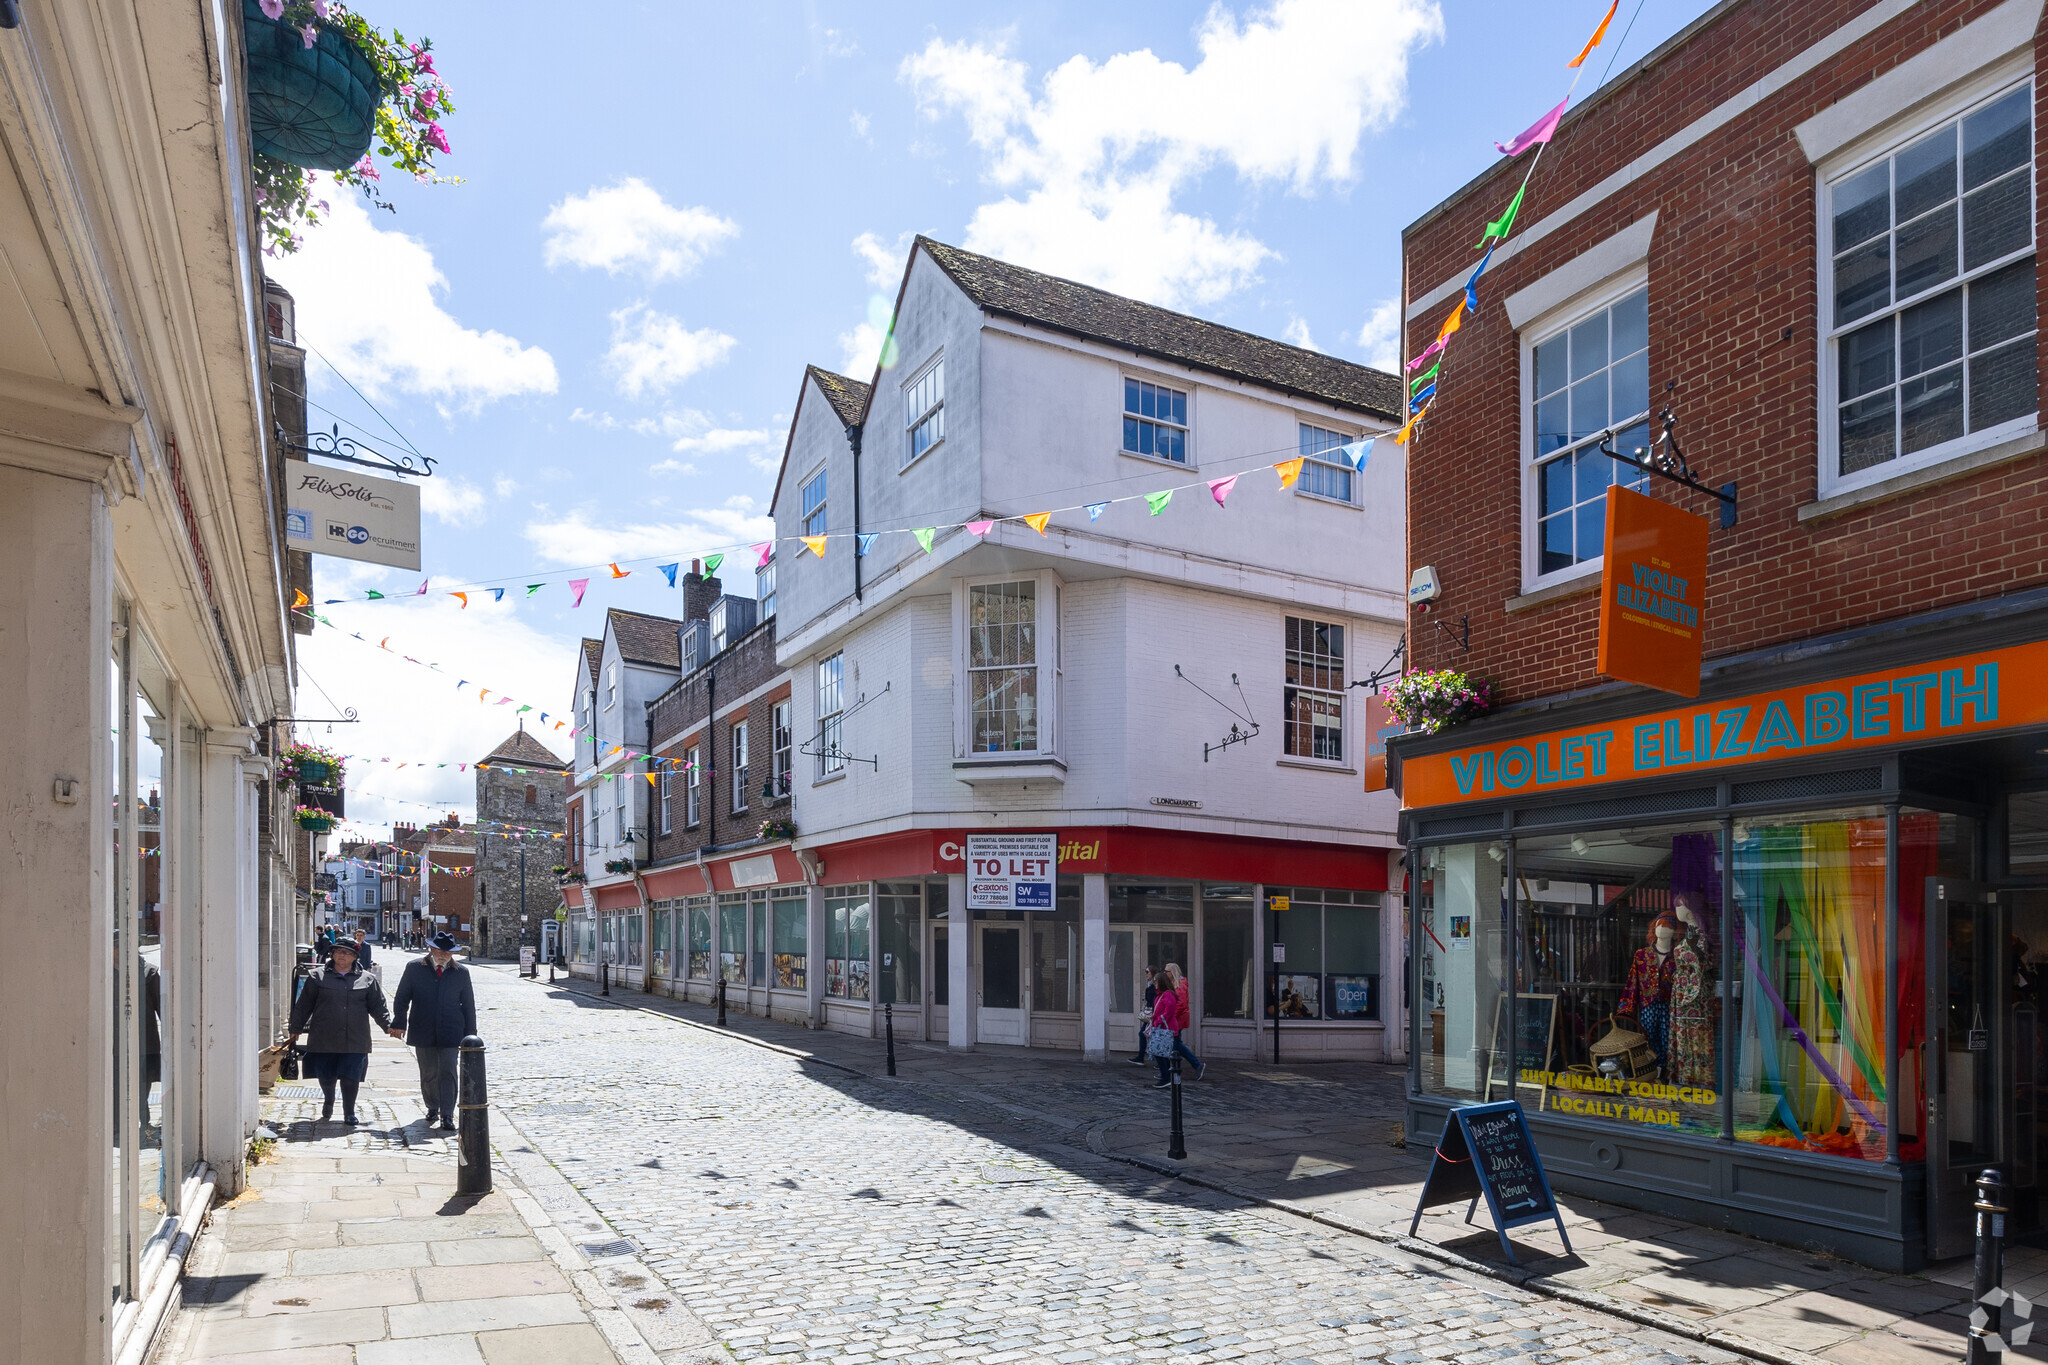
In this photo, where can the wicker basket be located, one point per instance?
(1627, 1047)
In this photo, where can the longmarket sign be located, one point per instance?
(1999, 689)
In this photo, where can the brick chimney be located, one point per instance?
(699, 592)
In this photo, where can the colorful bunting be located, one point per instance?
(1289, 470)
(711, 563)
(1538, 132)
(924, 536)
(1472, 285)
(497, 594)
(980, 528)
(764, 552)
(1157, 501)
(1594, 41)
(1095, 509)
(618, 572)
(669, 572)
(300, 599)
(465, 599)
(1364, 452)
(532, 588)
(1037, 520)
(864, 541)
(1500, 226)
(578, 586)
(375, 596)
(1421, 398)
(816, 545)
(1219, 489)
(1425, 377)
(1429, 350)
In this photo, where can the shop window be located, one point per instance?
(1331, 942)
(759, 960)
(699, 918)
(899, 933)
(1931, 320)
(1152, 902)
(1313, 704)
(846, 952)
(1229, 983)
(792, 937)
(732, 934)
(632, 928)
(1056, 952)
(1589, 376)
(664, 922)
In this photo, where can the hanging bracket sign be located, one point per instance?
(1652, 580)
(351, 516)
(1487, 1152)
(1011, 871)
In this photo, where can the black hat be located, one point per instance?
(444, 940)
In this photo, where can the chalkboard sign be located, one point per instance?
(1537, 1017)
(1487, 1152)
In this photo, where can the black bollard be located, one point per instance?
(551, 971)
(473, 1129)
(1986, 1318)
(721, 1002)
(1177, 1146)
(889, 1031)
(605, 974)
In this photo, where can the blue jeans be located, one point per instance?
(1180, 1049)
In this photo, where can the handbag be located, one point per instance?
(1159, 1042)
(288, 1065)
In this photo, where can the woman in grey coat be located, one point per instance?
(334, 1010)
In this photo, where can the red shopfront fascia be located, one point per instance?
(1124, 852)
(744, 871)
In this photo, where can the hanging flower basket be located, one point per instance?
(314, 106)
(778, 829)
(309, 765)
(314, 819)
(575, 877)
(619, 865)
(1431, 702)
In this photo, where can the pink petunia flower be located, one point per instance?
(320, 8)
(272, 9)
(310, 34)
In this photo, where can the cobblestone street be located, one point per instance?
(800, 1211)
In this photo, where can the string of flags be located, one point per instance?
(1423, 388)
(1355, 454)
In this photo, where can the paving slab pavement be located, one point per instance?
(1341, 1159)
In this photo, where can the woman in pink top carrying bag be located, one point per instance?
(1169, 1017)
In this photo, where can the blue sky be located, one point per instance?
(666, 211)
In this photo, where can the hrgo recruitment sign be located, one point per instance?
(1011, 871)
(351, 516)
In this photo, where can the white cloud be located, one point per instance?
(651, 350)
(884, 262)
(578, 538)
(859, 349)
(629, 226)
(371, 301)
(1296, 334)
(1380, 337)
(1092, 163)
(691, 432)
(859, 123)
(504, 487)
(451, 500)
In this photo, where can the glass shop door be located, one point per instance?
(1969, 1055)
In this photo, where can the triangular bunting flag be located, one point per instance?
(578, 586)
(816, 544)
(300, 599)
(1096, 509)
(711, 563)
(980, 528)
(1364, 449)
(618, 572)
(1425, 377)
(650, 778)
(1539, 131)
(1594, 41)
(422, 591)
(464, 683)
(764, 552)
(1501, 226)
(669, 571)
(375, 596)
(532, 588)
(1419, 399)
(924, 536)
(865, 541)
(1289, 471)
(1157, 501)
(523, 708)
(482, 692)
(497, 594)
(1472, 285)
(465, 599)
(1037, 520)
(1219, 489)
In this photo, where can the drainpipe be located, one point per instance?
(711, 743)
(853, 440)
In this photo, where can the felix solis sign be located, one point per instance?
(1011, 871)
(352, 516)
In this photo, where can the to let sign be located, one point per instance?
(1651, 583)
(1011, 871)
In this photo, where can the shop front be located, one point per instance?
(1070, 972)
(742, 920)
(1771, 959)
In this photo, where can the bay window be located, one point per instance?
(1009, 654)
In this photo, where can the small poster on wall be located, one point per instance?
(1300, 995)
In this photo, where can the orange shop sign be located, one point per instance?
(1652, 578)
(1998, 689)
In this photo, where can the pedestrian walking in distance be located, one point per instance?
(1145, 1015)
(366, 956)
(436, 1008)
(1169, 1017)
(334, 1010)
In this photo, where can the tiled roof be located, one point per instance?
(522, 748)
(593, 650)
(1085, 311)
(849, 396)
(646, 639)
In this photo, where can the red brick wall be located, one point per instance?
(1731, 268)
(748, 665)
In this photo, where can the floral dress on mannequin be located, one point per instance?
(1691, 1058)
(1647, 995)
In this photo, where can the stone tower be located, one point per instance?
(520, 790)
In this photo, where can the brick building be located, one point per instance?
(438, 889)
(520, 792)
(1810, 230)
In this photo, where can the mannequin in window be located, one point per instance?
(1691, 1059)
(1647, 995)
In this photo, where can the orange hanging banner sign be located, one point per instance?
(1652, 582)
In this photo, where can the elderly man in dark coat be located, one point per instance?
(436, 1007)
